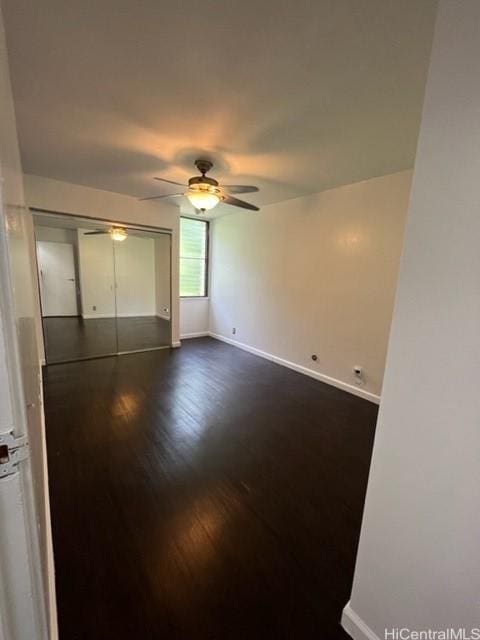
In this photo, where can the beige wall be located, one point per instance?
(55, 234)
(194, 317)
(314, 275)
(62, 197)
(135, 277)
(116, 278)
(418, 557)
(96, 275)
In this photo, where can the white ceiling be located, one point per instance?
(293, 96)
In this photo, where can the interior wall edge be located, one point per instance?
(355, 626)
(407, 171)
(321, 377)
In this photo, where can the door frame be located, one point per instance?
(39, 277)
(20, 556)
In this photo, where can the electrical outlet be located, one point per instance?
(234, 331)
(358, 372)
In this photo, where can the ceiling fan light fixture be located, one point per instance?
(204, 192)
(119, 234)
(203, 196)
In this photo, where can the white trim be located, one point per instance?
(126, 353)
(163, 316)
(25, 581)
(176, 343)
(301, 369)
(86, 316)
(355, 626)
(51, 588)
(198, 334)
(136, 315)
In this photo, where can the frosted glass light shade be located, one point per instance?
(203, 196)
(118, 234)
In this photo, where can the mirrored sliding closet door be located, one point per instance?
(104, 289)
(142, 276)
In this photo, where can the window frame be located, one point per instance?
(207, 259)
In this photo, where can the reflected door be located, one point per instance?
(57, 279)
(91, 330)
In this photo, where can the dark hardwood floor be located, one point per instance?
(72, 337)
(203, 492)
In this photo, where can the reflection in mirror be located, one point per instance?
(142, 274)
(103, 290)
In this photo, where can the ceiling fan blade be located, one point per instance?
(239, 203)
(239, 188)
(95, 233)
(179, 184)
(165, 195)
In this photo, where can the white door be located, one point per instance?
(58, 287)
(27, 589)
(27, 606)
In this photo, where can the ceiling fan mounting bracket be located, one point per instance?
(204, 166)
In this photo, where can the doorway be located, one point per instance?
(56, 270)
(105, 288)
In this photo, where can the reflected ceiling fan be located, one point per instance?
(116, 233)
(205, 193)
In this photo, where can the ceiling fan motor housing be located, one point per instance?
(203, 192)
(204, 183)
(203, 166)
(203, 180)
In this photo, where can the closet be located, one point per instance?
(105, 288)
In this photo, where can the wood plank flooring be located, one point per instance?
(203, 492)
(72, 337)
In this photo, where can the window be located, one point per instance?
(193, 258)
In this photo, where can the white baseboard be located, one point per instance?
(86, 316)
(198, 334)
(163, 316)
(357, 391)
(176, 343)
(136, 315)
(355, 626)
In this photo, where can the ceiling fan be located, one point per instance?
(116, 233)
(205, 193)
